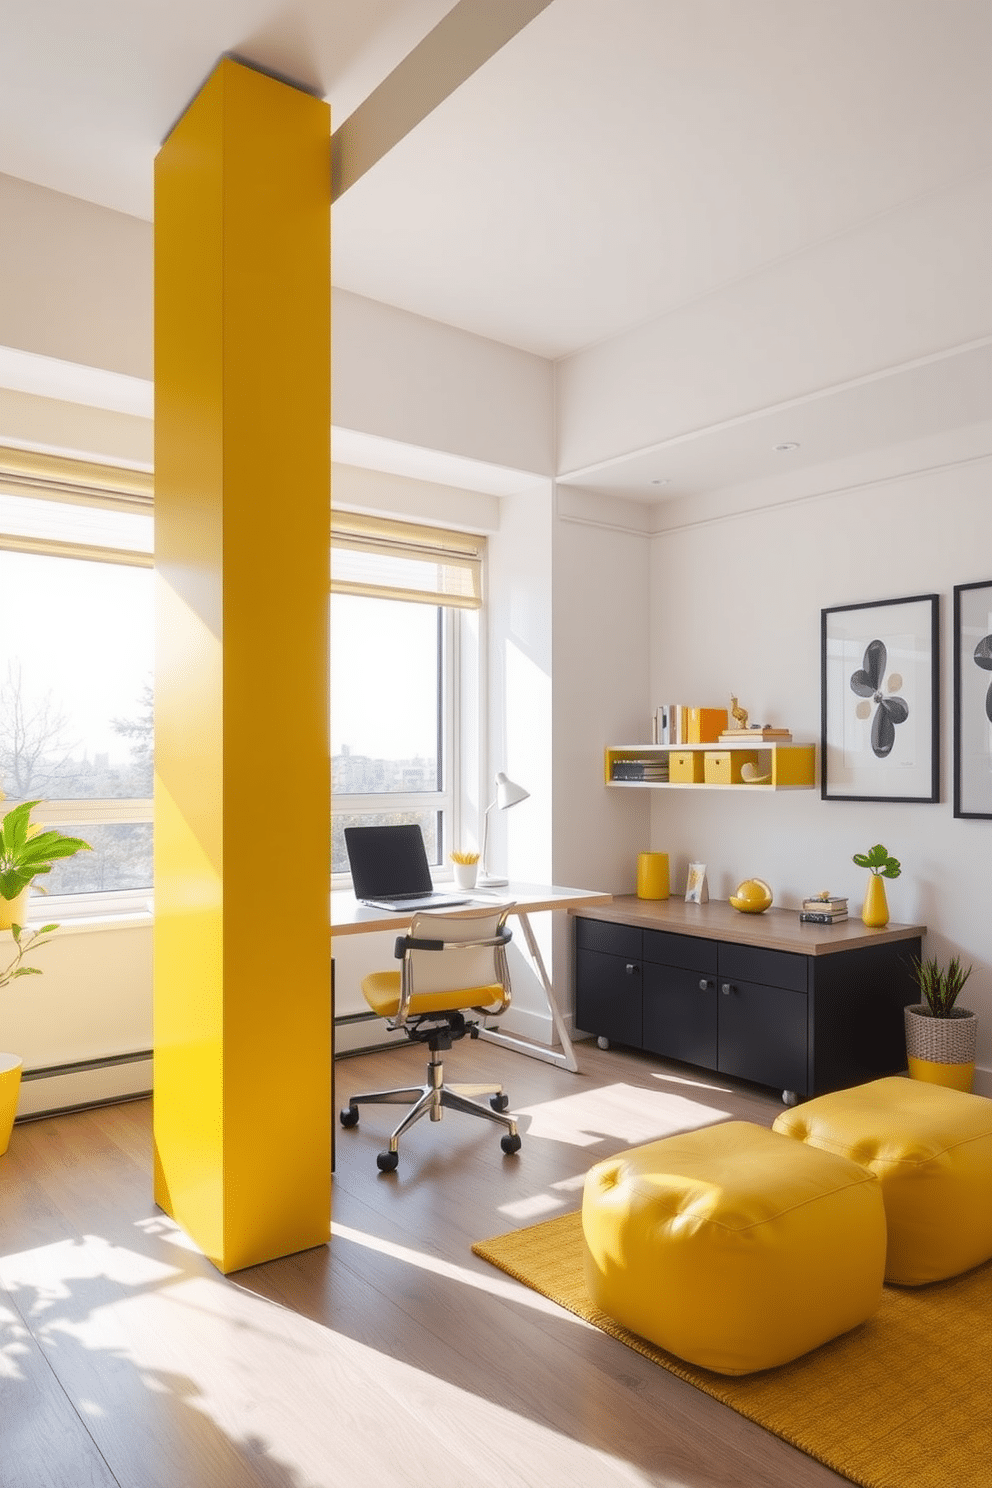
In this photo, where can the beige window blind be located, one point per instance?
(74, 508)
(384, 559)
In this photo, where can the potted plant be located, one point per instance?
(940, 1036)
(875, 910)
(25, 851)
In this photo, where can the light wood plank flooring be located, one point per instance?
(391, 1358)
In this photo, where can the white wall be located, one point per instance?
(736, 603)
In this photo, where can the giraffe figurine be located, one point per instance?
(739, 713)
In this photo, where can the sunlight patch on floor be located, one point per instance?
(130, 1325)
(494, 1284)
(612, 1113)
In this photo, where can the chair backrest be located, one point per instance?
(464, 963)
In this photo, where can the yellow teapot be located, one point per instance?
(752, 896)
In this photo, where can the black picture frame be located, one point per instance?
(880, 700)
(973, 700)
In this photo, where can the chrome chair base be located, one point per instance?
(431, 1099)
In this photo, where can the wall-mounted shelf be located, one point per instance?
(775, 766)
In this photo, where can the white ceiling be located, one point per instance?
(616, 160)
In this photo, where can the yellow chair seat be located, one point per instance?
(728, 1247)
(931, 1149)
(381, 990)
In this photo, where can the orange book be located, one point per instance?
(706, 725)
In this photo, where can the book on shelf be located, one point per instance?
(822, 904)
(814, 917)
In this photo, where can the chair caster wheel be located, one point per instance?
(500, 1102)
(349, 1116)
(388, 1162)
(510, 1144)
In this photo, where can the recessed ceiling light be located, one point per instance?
(662, 481)
(782, 449)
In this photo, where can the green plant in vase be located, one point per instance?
(27, 850)
(875, 911)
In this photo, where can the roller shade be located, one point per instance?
(384, 559)
(74, 508)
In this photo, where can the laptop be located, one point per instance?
(389, 869)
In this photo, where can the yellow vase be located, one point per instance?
(875, 911)
(14, 911)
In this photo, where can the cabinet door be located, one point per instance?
(608, 995)
(680, 1014)
(763, 1034)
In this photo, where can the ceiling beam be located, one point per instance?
(471, 33)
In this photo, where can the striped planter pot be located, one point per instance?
(941, 1050)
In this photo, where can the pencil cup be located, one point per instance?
(652, 875)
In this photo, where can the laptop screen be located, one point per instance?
(386, 861)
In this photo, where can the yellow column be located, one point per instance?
(242, 794)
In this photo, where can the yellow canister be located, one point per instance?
(652, 875)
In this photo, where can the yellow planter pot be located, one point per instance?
(14, 911)
(875, 910)
(941, 1050)
(10, 1087)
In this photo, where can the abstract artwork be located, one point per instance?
(879, 672)
(973, 700)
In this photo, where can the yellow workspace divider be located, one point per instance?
(242, 989)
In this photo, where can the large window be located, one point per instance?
(399, 599)
(76, 659)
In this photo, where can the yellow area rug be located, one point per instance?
(904, 1401)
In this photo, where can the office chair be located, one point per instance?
(451, 964)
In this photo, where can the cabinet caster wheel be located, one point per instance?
(500, 1102)
(349, 1116)
(790, 1098)
(388, 1162)
(603, 1043)
(510, 1144)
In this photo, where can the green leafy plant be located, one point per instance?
(26, 850)
(940, 986)
(878, 860)
(24, 941)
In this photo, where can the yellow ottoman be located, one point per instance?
(730, 1248)
(931, 1150)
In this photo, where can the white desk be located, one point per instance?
(348, 917)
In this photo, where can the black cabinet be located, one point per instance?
(801, 1023)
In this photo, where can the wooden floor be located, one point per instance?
(391, 1358)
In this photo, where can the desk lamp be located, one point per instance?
(507, 794)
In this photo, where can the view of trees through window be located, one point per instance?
(76, 706)
(388, 665)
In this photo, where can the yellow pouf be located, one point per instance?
(730, 1248)
(931, 1150)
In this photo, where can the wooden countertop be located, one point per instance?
(774, 929)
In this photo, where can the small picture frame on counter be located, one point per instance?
(696, 891)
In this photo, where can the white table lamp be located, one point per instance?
(507, 794)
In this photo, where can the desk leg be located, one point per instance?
(563, 1057)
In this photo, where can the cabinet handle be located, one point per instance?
(704, 984)
(727, 988)
(631, 968)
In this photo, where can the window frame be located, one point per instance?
(74, 482)
(448, 800)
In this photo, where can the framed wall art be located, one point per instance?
(973, 699)
(879, 701)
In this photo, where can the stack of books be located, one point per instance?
(755, 734)
(823, 909)
(641, 770)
